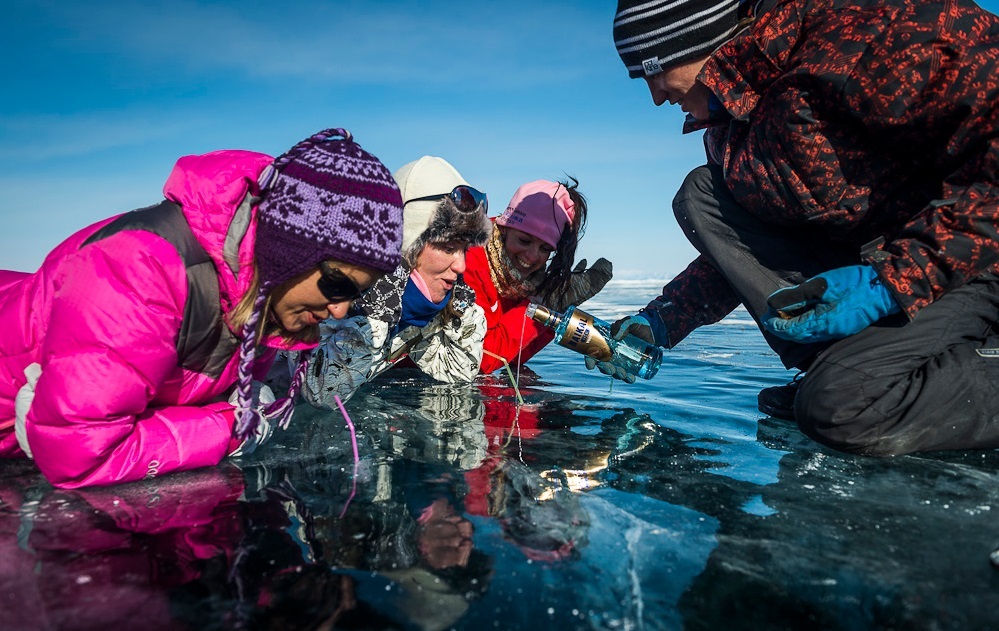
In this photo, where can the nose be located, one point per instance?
(338, 310)
(458, 264)
(535, 255)
(658, 95)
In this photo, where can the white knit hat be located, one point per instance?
(435, 220)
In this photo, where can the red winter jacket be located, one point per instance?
(509, 332)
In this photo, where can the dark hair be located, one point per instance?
(559, 270)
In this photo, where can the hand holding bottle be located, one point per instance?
(627, 355)
(636, 325)
(630, 325)
(609, 369)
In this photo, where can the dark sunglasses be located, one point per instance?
(335, 285)
(466, 198)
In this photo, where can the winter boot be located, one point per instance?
(778, 401)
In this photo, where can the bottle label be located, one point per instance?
(583, 337)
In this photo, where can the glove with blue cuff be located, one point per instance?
(642, 325)
(609, 369)
(829, 306)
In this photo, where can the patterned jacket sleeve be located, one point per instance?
(871, 120)
(355, 350)
(699, 295)
(450, 351)
(344, 361)
(950, 242)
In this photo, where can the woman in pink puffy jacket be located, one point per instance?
(119, 355)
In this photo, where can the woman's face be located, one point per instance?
(679, 86)
(439, 265)
(527, 253)
(298, 303)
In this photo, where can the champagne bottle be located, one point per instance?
(583, 333)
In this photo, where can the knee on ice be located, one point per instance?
(841, 417)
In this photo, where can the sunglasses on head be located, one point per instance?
(335, 285)
(466, 198)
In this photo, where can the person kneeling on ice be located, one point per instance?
(530, 258)
(120, 352)
(850, 203)
(423, 313)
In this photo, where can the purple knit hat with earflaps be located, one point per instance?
(326, 198)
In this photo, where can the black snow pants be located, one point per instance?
(897, 387)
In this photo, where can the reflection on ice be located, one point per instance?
(662, 505)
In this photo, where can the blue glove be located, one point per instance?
(829, 306)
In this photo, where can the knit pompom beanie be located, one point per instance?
(326, 198)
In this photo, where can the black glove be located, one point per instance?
(583, 284)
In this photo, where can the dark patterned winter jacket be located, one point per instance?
(862, 119)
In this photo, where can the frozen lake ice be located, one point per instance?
(665, 504)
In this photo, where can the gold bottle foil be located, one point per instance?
(580, 334)
(583, 337)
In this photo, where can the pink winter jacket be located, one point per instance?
(103, 320)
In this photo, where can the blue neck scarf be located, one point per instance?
(417, 309)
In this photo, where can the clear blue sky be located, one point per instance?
(98, 99)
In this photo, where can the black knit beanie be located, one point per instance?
(654, 36)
